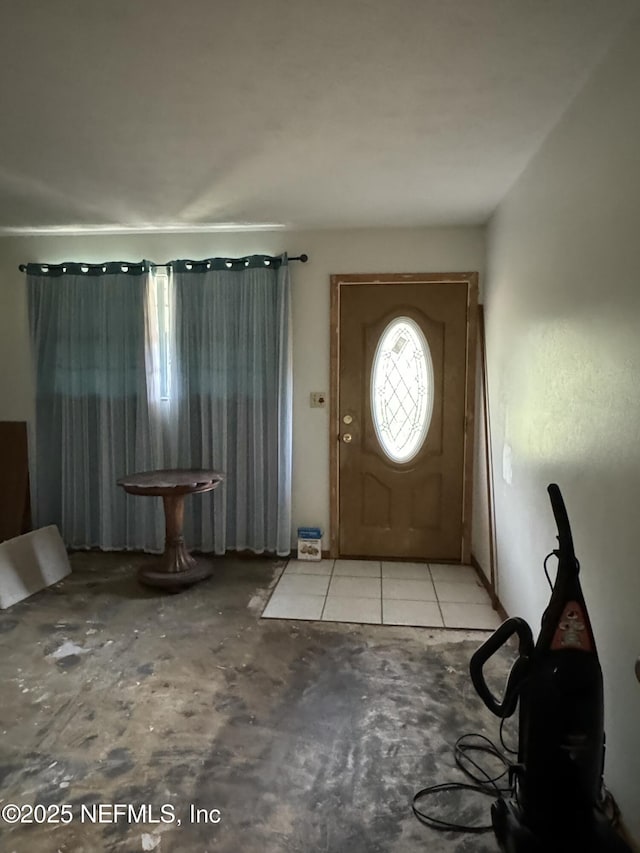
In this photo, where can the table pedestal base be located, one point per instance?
(158, 576)
(176, 569)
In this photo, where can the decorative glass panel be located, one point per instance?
(402, 389)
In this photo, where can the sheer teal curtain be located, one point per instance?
(131, 377)
(92, 421)
(233, 397)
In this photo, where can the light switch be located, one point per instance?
(318, 399)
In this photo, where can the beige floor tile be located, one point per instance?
(309, 567)
(469, 616)
(469, 593)
(302, 585)
(360, 610)
(357, 568)
(408, 590)
(406, 571)
(294, 607)
(457, 574)
(355, 587)
(419, 613)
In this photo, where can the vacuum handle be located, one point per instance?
(565, 539)
(507, 706)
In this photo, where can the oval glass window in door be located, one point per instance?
(402, 389)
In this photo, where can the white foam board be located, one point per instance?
(30, 563)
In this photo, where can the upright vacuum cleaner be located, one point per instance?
(556, 804)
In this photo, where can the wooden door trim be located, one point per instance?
(340, 281)
(469, 417)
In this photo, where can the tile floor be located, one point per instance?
(382, 593)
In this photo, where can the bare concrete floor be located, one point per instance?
(303, 736)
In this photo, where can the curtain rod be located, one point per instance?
(134, 268)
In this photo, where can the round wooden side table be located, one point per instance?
(177, 568)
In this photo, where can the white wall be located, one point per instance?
(563, 325)
(345, 251)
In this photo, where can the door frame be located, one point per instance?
(337, 283)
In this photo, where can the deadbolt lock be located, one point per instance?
(347, 419)
(346, 437)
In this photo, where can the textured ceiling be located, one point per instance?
(317, 113)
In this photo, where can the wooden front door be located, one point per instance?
(402, 394)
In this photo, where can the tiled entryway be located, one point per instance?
(382, 593)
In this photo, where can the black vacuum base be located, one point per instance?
(514, 836)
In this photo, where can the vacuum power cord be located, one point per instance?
(481, 781)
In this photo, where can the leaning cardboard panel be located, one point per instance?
(30, 563)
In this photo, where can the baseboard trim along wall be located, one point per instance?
(495, 601)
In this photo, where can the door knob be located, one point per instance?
(346, 437)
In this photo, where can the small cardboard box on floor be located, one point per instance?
(309, 543)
